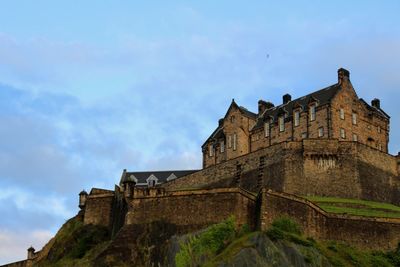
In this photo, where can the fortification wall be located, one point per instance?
(310, 167)
(363, 232)
(273, 155)
(98, 208)
(193, 209)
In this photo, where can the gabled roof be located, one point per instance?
(218, 132)
(161, 176)
(374, 109)
(322, 97)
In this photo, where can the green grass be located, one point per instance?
(356, 207)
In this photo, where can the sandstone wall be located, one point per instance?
(363, 232)
(98, 209)
(193, 209)
(325, 167)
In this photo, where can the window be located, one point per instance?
(379, 129)
(281, 123)
(296, 118)
(232, 119)
(304, 135)
(312, 113)
(152, 181)
(210, 150)
(320, 131)
(355, 137)
(229, 141)
(266, 129)
(354, 118)
(222, 145)
(342, 114)
(234, 141)
(342, 133)
(380, 147)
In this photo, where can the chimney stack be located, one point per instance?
(376, 103)
(343, 75)
(31, 253)
(287, 98)
(264, 105)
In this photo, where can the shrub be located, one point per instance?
(213, 240)
(287, 225)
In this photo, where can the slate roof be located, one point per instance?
(141, 177)
(322, 97)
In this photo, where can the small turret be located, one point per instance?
(31, 253)
(82, 199)
(129, 185)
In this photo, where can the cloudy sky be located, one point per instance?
(88, 88)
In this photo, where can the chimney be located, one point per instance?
(264, 105)
(343, 75)
(287, 98)
(376, 103)
(31, 253)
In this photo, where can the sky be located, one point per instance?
(89, 88)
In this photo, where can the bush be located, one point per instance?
(213, 240)
(287, 225)
(275, 234)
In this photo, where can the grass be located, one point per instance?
(356, 207)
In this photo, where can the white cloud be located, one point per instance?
(14, 244)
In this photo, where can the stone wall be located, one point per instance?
(99, 206)
(193, 209)
(325, 167)
(362, 232)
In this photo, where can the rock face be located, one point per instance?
(260, 250)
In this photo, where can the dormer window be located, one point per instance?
(152, 181)
(232, 119)
(312, 112)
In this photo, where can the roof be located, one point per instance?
(322, 97)
(218, 131)
(374, 109)
(140, 178)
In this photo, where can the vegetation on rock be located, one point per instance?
(356, 207)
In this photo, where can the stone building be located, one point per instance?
(152, 178)
(335, 112)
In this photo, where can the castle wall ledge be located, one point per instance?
(328, 214)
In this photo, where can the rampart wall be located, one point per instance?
(309, 167)
(193, 210)
(363, 232)
(99, 207)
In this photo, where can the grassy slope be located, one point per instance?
(314, 253)
(356, 207)
(75, 244)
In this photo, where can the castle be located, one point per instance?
(259, 167)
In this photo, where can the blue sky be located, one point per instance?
(88, 89)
